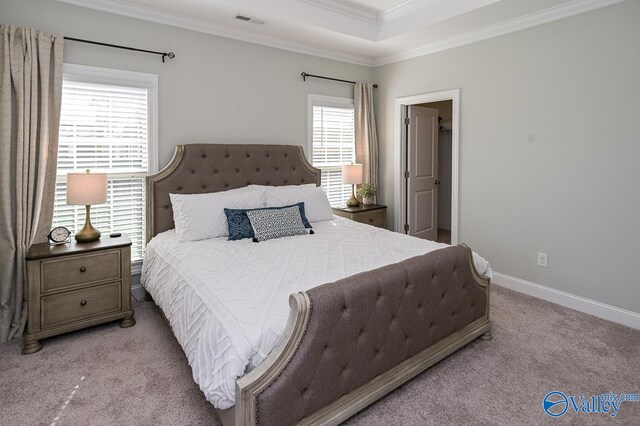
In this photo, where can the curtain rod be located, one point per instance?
(305, 75)
(169, 55)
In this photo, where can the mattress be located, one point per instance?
(228, 301)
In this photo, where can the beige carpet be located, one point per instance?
(138, 376)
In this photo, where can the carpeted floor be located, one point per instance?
(139, 376)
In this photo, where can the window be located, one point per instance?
(332, 143)
(107, 124)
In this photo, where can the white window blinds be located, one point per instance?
(105, 128)
(333, 144)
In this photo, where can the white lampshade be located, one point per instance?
(352, 174)
(87, 188)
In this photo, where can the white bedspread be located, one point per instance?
(228, 301)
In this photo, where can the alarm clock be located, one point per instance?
(59, 235)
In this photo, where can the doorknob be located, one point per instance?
(437, 182)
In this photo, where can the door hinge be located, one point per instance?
(406, 174)
(406, 227)
(407, 121)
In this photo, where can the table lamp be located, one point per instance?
(352, 174)
(87, 189)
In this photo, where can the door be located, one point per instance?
(422, 180)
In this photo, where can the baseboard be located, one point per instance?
(138, 293)
(568, 300)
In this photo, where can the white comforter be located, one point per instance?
(228, 301)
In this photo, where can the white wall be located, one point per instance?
(544, 167)
(215, 90)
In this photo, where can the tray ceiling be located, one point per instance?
(367, 32)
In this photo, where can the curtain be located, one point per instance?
(30, 96)
(365, 132)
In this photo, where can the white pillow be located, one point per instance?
(316, 204)
(201, 216)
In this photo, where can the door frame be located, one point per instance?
(400, 153)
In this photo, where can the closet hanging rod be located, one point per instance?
(305, 75)
(169, 55)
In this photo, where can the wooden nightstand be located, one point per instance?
(73, 286)
(373, 214)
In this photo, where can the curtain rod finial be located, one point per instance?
(169, 55)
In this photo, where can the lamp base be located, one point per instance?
(88, 233)
(353, 202)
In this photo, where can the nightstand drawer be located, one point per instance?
(79, 304)
(375, 218)
(85, 269)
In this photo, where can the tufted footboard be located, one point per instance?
(350, 342)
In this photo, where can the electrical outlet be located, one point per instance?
(542, 260)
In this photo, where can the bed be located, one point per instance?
(303, 330)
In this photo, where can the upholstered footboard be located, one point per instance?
(350, 342)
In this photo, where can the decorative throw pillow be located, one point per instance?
(275, 223)
(240, 226)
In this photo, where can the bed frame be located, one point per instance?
(347, 343)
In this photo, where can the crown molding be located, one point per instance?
(534, 19)
(346, 8)
(176, 20)
(402, 9)
(357, 11)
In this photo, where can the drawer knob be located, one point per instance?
(83, 303)
(370, 219)
(83, 269)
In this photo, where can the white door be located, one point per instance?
(422, 162)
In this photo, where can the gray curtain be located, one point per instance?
(365, 132)
(30, 95)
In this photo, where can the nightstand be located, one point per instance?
(373, 214)
(73, 286)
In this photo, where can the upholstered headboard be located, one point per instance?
(198, 168)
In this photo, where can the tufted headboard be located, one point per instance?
(198, 168)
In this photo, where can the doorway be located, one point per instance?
(426, 178)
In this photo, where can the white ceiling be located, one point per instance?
(368, 32)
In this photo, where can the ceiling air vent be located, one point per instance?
(249, 19)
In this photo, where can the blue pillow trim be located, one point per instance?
(240, 226)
